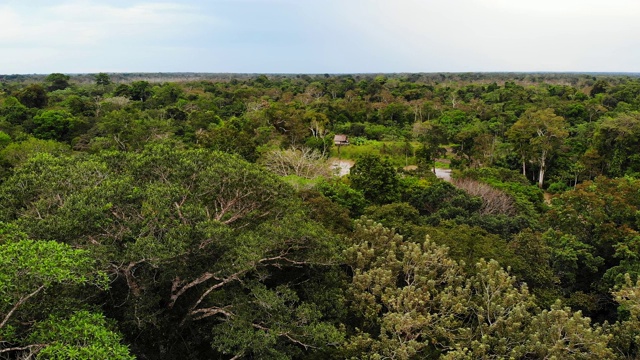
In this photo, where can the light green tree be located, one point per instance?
(413, 302)
(28, 269)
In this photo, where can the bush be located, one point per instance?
(557, 187)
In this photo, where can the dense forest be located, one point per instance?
(197, 216)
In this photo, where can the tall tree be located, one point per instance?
(432, 137)
(540, 132)
(194, 240)
(616, 140)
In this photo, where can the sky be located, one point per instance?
(319, 36)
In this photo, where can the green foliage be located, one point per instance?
(439, 200)
(533, 265)
(33, 96)
(292, 326)
(343, 195)
(102, 79)
(537, 135)
(413, 301)
(53, 125)
(376, 178)
(14, 111)
(596, 231)
(557, 187)
(529, 200)
(208, 256)
(563, 334)
(616, 140)
(221, 224)
(17, 153)
(469, 245)
(30, 268)
(82, 336)
(398, 216)
(323, 210)
(399, 153)
(140, 90)
(57, 81)
(5, 140)
(626, 331)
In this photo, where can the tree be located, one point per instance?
(626, 331)
(30, 268)
(411, 301)
(494, 201)
(166, 94)
(560, 333)
(595, 236)
(54, 125)
(17, 153)
(431, 136)
(342, 194)
(33, 96)
(14, 111)
(475, 145)
(140, 91)
(303, 162)
(599, 87)
(57, 81)
(395, 286)
(540, 132)
(376, 178)
(616, 140)
(102, 79)
(81, 336)
(193, 240)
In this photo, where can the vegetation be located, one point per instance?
(196, 216)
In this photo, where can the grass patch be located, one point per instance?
(300, 183)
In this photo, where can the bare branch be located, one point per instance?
(18, 304)
(286, 335)
(33, 348)
(207, 312)
(303, 162)
(494, 201)
(175, 295)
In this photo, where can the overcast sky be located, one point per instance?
(318, 36)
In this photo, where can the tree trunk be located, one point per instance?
(543, 159)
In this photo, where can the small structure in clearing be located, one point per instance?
(340, 139)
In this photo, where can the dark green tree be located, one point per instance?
(57, 81)
(33, 96)
(376, 178)
(195, 242)
(140, 91)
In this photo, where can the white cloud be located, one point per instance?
(88, 23)
(497, 35)
(319, 35)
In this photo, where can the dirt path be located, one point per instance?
(341, 167)
(444, 174)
